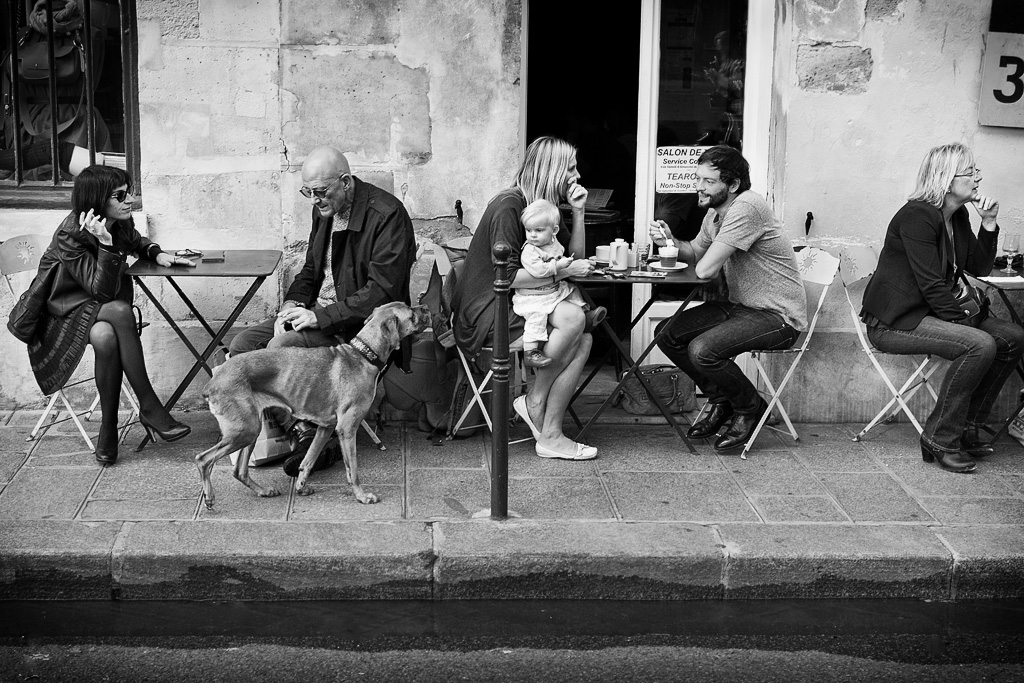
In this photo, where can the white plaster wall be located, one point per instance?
(851, 157)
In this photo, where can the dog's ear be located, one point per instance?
(390, 329)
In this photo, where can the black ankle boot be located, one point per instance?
(718, 414)
(957, 461)
(973, 444)
(106, 446)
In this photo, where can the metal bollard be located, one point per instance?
(500, 366)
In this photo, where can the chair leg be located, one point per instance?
(132, 414)
(373, 436)
(92, 407)
(74, 417)
(39, 423)
(900, 396)
(774, 401)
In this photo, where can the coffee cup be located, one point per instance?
(601, 253)
(668, 256)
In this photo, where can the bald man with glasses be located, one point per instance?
(361, 249)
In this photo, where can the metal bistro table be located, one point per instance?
(238, 263)
(685, 276)
(1003, 283)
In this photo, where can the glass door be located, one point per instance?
(700, 99)
(705, 79)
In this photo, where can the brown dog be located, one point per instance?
(331, 386)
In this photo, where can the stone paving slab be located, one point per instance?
(821, 517)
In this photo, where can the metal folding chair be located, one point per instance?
(817, 271)
(21, 254)
(858, 263)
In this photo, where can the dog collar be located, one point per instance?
(367, 353)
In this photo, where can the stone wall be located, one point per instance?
(863, 88)
(422, 95)
(425, 97)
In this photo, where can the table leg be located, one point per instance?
(201, 358)
(634, 367)
(1020, 367)
(170, 320)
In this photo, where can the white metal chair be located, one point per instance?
(858, 263)
(21, 254)
(818, 270)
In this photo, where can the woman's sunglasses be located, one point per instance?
(120, 195)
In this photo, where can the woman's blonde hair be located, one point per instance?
(544, 169)
(940, 165)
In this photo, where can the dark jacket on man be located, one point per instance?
(371, 261)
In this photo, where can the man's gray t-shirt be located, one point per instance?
(762, 272)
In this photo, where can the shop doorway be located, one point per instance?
(582, 83)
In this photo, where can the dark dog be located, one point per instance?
(331, 386)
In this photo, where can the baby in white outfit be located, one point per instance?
(541, 257)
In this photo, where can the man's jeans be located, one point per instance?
(703, 341)
(981, 360)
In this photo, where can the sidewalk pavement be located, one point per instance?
(823, 518)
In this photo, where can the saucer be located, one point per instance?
(597, 261)
(654, 265)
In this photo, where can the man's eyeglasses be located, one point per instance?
(971, 174)
(120, 195)
(320, 192)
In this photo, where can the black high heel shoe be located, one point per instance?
(105, 454)
(954, 462)
(172, 432)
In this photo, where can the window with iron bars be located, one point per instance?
(73, 62)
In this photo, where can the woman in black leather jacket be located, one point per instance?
(911, 304)
(90, 301)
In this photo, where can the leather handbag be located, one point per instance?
(68, 60)
(26, 315)
(34, 61)
(670, 384)
(972, 300)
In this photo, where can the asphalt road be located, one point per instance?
(787, 641)
(589, 662)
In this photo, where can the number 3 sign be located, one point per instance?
(1002, 81)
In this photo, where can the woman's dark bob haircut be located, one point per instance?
(730, 165)
(93, 188)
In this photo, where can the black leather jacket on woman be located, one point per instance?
(88, 269)
(916, 272)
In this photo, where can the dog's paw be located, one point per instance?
(368, 498)
(305, 490)
(270, 492)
